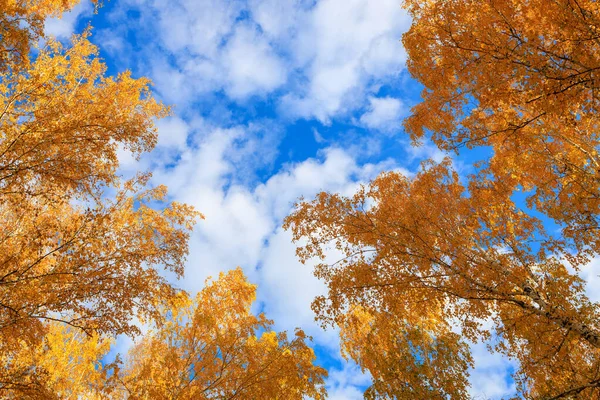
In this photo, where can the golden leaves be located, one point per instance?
(66, 364)
(424, 359)
(519, 78)
(424, 254)
(21, 25)
(62, 123)
(421, 256)
(64, 102)
(79, 247)
(213, 346)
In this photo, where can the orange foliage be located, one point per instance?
(421, 257)
(428, 254)
(521, 77)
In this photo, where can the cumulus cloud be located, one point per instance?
(252, 65)
(491, 376)
(347, 383)
(590, 273)
(242, 222)
(345, 45)
(202, 47)
(280, 20)
(173, 132)
(321, 59)
(384, 114)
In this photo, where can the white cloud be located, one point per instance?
(287, 289)
(384, 114)
(207, 50)
(317, 136)
(112, 43)
(321, 58)
(63, 27)
(181, 84)
(252, 65)
(490, 378)
(173, 133)
(194, 26)
(242, 222)
(590, 273)
(279, 19)
(348, 383)
(429, 151)
(345, 45)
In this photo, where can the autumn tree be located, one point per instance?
(22, 24)
(520, 78)
(208, 347)
(436, 254)
(214, 347)
(78, 245)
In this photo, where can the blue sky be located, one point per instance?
(273, 100)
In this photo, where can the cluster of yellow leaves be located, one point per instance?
(65, 365)
(428, 253)
(206, 348)
(214, 347)
(69, 253)
(22, 24)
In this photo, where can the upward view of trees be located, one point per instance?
(438, 254)
(210, 347)
(431, 262)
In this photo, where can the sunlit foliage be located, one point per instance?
(79, 246)
(434, 254)
(214, 347)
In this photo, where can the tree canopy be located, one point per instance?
(78, 244)
(214, 347)
(208, 347)
(437, 254)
